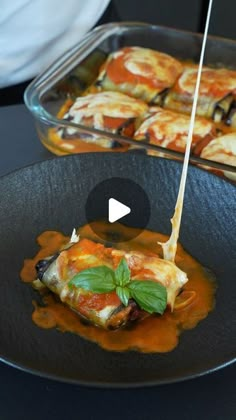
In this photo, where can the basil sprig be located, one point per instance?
(148, 294)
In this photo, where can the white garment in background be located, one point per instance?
(33, 33)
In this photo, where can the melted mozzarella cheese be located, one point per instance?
(74, 237)
(215, 83)
(110, 104)
(164, 272)
(223, 150)
(170, 247)
(74, 259)
(167, 127)
(104, 104)
(152, 64)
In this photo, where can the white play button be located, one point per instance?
(116, 210)
(119, 203)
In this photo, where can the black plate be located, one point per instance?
(52, 195)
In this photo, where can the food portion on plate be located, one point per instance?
(132, 85)
(116, 274)
(123, 297)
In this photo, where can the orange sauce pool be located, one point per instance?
(155, 333)
(61, 147)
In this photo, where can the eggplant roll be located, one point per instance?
(106, 309)
(170, 130)
(107, 111)
(231, 117)
(216, 94)
(139, 72)
(222, 149)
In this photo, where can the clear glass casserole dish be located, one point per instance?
(73, 73)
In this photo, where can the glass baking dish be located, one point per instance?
(77, 69)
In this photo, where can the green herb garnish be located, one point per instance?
(149, 295)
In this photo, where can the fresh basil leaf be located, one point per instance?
(122, 274)
(96, 279)
(149, 295)
(124, 294)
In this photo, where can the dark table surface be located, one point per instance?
(24, 396)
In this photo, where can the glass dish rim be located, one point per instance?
(87, 44)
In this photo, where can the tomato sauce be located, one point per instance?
(153, 334)
(118, 73)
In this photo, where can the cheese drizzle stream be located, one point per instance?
(170, 247)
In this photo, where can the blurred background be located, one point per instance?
(29, 45)
(183, 14)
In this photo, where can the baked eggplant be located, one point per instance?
(170, 129)
(216, 94)
(222, 149)
(113, 112)
(106, 309)
(140, 72)
(231, 117)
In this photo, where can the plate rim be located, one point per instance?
(114, 385)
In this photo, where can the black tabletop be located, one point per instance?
(24, 396)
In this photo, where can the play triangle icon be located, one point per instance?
(117, 210)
